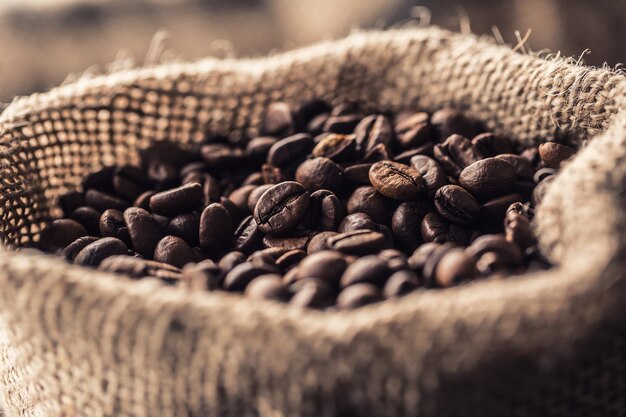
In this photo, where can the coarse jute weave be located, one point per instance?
(77, 342)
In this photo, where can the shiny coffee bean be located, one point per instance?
(289, 150)
(433, 175)
(320, 174)
(94, 253)
(112, 224)
(401, 283)
(240, 276)
(143, 229)
(454, 267)
(489, 144)
(278, 120)
(338, 148)
(437, 229)
(396, 181)
(60, 233)
(358, 295)
(356, 221)
(413, 131)
(71, 251)
(488, 178)
(368, 269)
(325, 211)
(359, 242)
(553, 154)
(367, 200)
(102, 201)
(406, 225)
(267, 287)
(178, 200)
(247, 236)
(215, 228)
(325, 265)
(456, 205)
(281, 208)
(371, 131)
(185, 226)
(455, 154)
(174, 251)
(448, 121)
(312, 293)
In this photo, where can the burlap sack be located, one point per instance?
(76, 342)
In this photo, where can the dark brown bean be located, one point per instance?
(174, 251)
(396, 181)
(216, 228)
(60, 233)
(178, 200)
(143, 229)
(488, 178)
(281, 208)
(94, 253)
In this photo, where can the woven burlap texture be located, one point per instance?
(77, 342)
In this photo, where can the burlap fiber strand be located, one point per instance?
(77, 342)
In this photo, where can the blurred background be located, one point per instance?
(45, 40)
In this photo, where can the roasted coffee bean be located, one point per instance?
(396, 260)
(134, 267)
(396, 181)
(248, 236)
(356, 221)
(454, 267)
(289, 150)
(342, 124)
(368, 269)
(112, 224)
(358, 174)
(325, 265)
(437, 229)
(241, 196)
(143, 229)
(256, 178)
(143, 200)
(215, 228)
(101, 180)
(320, 174)
(89, 217)
(312, 293)
(401, 283)
(418, 259)
(488, 178)
(281, 208)
(290, 259)
(509, 253)
(432, 174)
(70, 202)
(174, 251)
(267, 287)
(241, 275)
(358, 295)
(102, 201)
(60, 233)
(319, 242)
(371, 131)
(185, 226)
(255, 195)
(278, 120)
(430, 266)
(492, 212)
(71, 251)
(94, 253)
(178, 200)
(203, 276)
(456, 153)
(336, 147)
(367, 200)
(258, 148)
(359, 242)
(406, 225)
(540, 190)
(231, 260)
(489, 144)
(211, 191)
(299, 240)
(553, 154)
(324, 212)
(266, 256)
(162, 221)
(413, 131)
(456, 205)
(316, 125)
(447, 122)
(520, 232)
(523, 169)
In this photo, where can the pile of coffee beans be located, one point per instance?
(330, 208)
